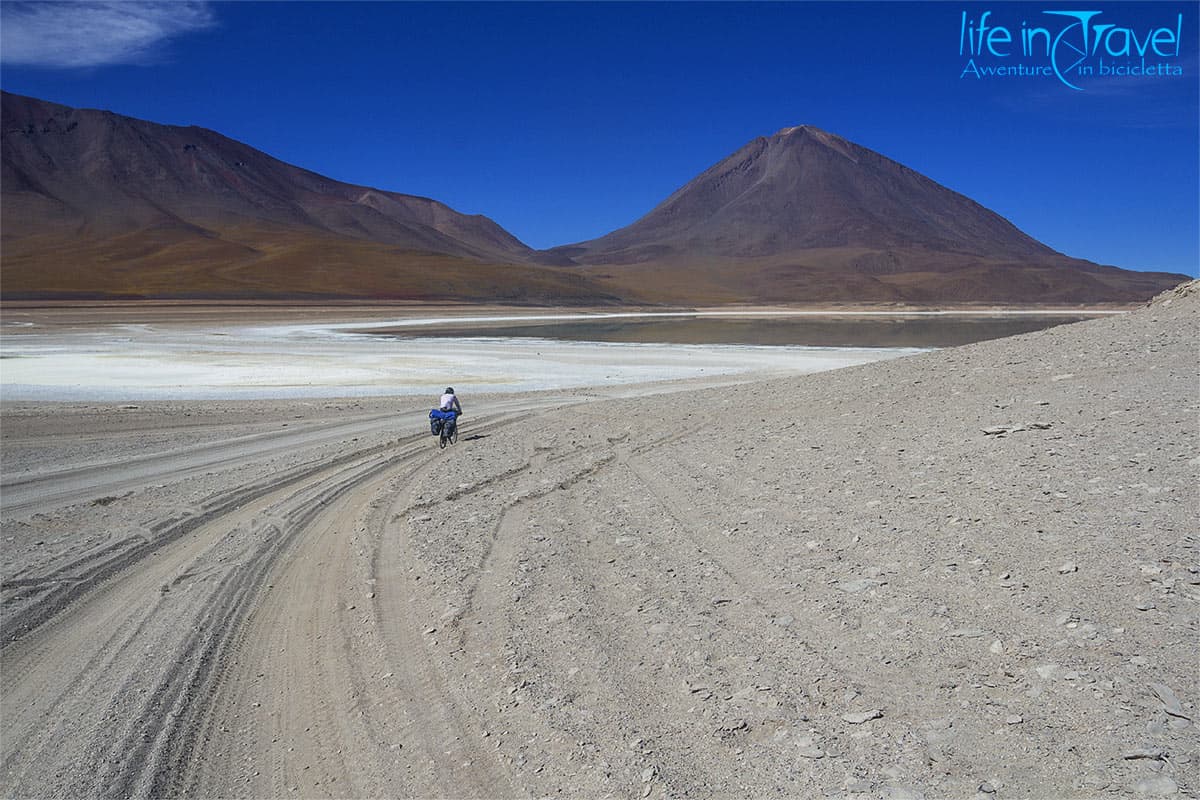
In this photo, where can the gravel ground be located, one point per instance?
(973, 572)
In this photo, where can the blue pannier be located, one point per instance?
(437, 418)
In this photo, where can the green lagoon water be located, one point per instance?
(810, 331)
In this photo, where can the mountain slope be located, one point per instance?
(98, 204)
(807, 215)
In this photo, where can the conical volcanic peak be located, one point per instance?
(806, 215)
(812, 131)
(804, 188)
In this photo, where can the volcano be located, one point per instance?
(806, 215)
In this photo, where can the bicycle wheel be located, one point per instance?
(443, 438)
(454, 435)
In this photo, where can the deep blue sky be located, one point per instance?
(565, 121)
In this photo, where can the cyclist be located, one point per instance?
(449, 401)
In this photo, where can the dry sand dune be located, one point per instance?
(970, 572)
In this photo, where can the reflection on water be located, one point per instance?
(813, 332)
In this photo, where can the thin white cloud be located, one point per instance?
(90, 34)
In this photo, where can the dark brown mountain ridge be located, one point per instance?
(105, 173)
(95, 205)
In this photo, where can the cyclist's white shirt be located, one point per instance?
(448, 401)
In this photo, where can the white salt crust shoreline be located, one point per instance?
(169, 362)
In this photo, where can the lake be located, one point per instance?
(919, 330)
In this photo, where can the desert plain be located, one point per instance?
(968, 572)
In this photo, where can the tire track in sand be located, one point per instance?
(333, 691)
(105, 700)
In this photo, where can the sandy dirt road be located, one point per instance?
(139, 622)
(972, 572)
